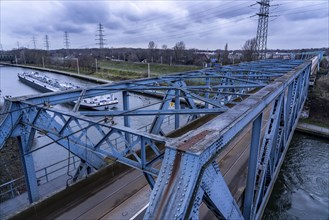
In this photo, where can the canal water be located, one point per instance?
(301, 190)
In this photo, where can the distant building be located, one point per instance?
(278, 55)
(235, 56)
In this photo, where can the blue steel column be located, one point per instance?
(144, 164)
(190, 101)
(177, 107)
(263, 171)
(287, 110)
(252, 167)
(126, 119)
(181, 184)
(217, 194)
(207, 92)
(157, 122)
(171, 195)
(25, 143)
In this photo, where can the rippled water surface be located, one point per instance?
(302, 188)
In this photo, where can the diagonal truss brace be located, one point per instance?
(180, 198)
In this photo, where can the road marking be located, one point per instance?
(140, 211)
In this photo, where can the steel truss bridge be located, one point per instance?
(182, 170)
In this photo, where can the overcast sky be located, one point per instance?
(200, 24)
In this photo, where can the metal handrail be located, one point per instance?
(10, 186)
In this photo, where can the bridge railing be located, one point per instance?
(46, 174)
(12, 188)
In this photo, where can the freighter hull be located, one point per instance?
(45, 84)
(35, 85)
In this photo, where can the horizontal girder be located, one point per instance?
(238, 94)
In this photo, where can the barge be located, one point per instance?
(46, 84)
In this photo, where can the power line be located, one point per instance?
(262, 28)
(207, 14)
(214, 11)
(210, 27)
(66, 40)
(202, 30)
(34, 41)
(46, 42)
(100, 35)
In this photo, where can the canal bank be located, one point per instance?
(82, 77)
(312, 129)
(79, 76)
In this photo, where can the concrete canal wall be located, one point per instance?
(313, 129)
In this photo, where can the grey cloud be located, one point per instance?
(301, 10)
(22, 31)
(178, 26)
(42, 28)
(219, 11)
(112, 25)
(132, 32)
(134, 23)
(305, 15)
(70, 28)
(87, 12)
(133, 17)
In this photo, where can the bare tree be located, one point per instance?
(225, 55)
(152, 47)
(179, 49)
(249, 50)
(164, 53)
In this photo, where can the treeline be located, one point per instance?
(166, 56)
(178, 55)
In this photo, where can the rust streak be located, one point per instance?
(192, 141)
(168, 189)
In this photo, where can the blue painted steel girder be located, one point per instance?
(63, 125)
(215, 136)
(138, 85)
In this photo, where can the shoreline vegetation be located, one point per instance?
(319, 99)
(120, 70)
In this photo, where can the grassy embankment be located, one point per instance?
(114, 70)
(319, 101)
